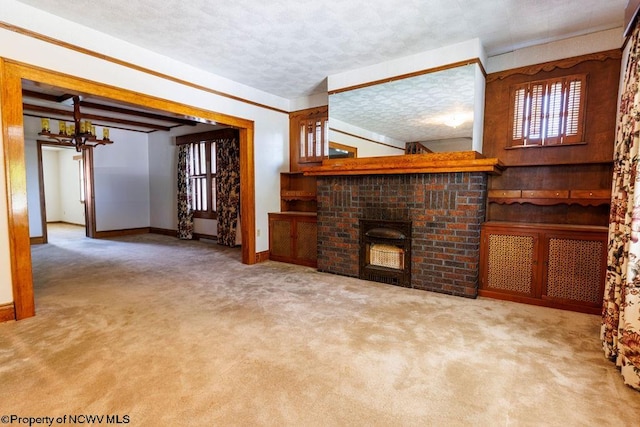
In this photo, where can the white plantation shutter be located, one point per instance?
(535, 118)
(575, 112)
(555, 113)
(518, 94)
(548, 112)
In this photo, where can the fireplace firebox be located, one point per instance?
(385, 251)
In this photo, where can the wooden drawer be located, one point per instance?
(590, 194)
(545, 194)
(511, 194)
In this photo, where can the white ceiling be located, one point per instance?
(289, 47)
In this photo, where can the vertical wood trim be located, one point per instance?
(16, 183)
(89, 193)
(247, 196)
(43, 202)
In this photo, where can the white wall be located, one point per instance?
(163, 163)
(33, 185)
(51, 178)
(121, 181)
(71, 209)
(575, 46)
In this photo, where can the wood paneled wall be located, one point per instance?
(603, 75)
(587, 166)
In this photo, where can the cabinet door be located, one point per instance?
(306, 241)
(509, 262)
(280, 238)
(575, 268)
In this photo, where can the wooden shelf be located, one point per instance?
(297, 195)
(551, 197)
(297, 192)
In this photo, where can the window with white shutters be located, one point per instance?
(548, 112)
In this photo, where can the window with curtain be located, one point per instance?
(548, 112)
(201, 170)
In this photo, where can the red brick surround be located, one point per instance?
(446, 210)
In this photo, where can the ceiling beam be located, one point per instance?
(66, 113)
(61, 98)
(129, 112)
(38, 95)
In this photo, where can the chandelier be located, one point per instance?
(80, 133)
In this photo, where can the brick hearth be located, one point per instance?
(446, 210)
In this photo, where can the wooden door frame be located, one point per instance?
(11, 118)
(87, 177)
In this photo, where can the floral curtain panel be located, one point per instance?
(185, 214)
(621, 308)
(228, 190)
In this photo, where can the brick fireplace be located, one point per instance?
(445, 210)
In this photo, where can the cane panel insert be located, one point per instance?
(574, 271)
(510, 263)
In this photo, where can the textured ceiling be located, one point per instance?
(289, 47)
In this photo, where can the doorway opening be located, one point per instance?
(13, 74)
(62, 192)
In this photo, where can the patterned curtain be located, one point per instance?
(185, 214)
(228, 189)
(620, 331)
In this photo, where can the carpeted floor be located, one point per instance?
(168, 332)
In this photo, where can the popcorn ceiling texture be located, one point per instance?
(289, 47)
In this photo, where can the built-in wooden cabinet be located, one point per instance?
(293, 237)
(554, 265)
(293, 230)
(545, 239)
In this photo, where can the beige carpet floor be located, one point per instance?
(172, 333)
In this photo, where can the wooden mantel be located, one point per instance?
(460, 161)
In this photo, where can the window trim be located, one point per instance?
(547, 141)
(314, 139)
(211, 137)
